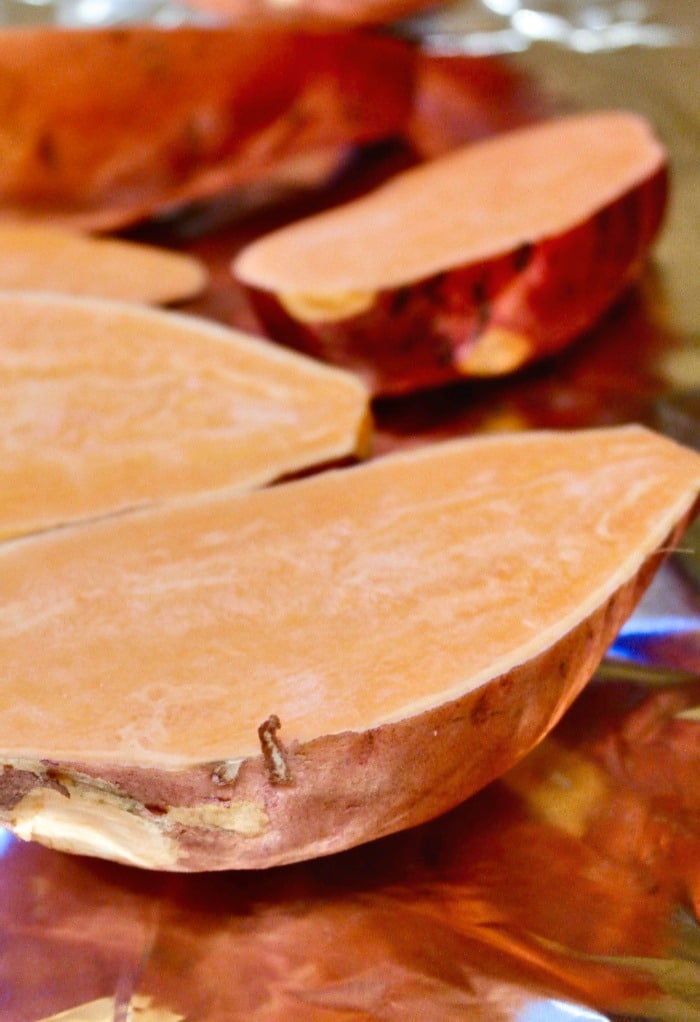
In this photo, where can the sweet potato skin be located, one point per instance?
(490, 318)
(342, 789)
(572, 280)
(102, 128)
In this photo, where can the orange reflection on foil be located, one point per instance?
(561, 880)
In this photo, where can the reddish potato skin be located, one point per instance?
(407, 339)
(573, 279)
(349, 788)
(109, 126)
(545, 293)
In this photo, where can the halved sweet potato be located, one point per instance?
(472, 264)
(101, 128)
(248, 681)
(106, 406)
(37, 258)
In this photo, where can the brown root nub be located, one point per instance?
(274, 752)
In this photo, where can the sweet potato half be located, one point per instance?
(252, 680)
(107, 406)
(38, 258)
(472, 264)
(103, 127)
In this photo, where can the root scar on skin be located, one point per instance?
(274, 752)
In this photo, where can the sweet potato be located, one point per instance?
(472, 264)
(36, 258)
(106, 406)
(101, 128)
(240, 682)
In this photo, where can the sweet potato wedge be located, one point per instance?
(37, 258)
(251, 680)
(107, 406)
(101, 128)
(472, 264)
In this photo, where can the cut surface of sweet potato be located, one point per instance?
(240, 682)
(108, 126)
(473, 263)
(36, 258)
(109, 405)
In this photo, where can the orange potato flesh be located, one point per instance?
(473, 263)
(106, 127)
(109, 405)
(37, 258)
(415, 624)
(465, 207)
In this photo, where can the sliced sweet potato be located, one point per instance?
(239, 682)
(106, 406)
(101, 128)
(472, 264)
(36, 258)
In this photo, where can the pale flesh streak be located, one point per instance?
(105, 1009)
(357, 597)
(90, 817)
(311, 308)
(89, 822)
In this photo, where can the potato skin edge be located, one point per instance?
(349, 788)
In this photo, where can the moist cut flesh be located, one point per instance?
(106, 406)
(246, 681)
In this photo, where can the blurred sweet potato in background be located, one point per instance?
(102, 128)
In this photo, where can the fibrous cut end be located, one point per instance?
(252, 680)
(107, 406)
(472, 264)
